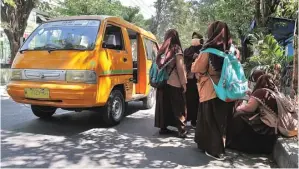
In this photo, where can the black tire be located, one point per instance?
(43, 112)
(114, 110)
(150, 99)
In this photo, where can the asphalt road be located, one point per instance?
(80, 140)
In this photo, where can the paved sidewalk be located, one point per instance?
(285, 152)
(3, 92)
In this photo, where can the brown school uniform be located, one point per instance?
(212, 114)
(170, 103)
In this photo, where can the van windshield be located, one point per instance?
(64, 35)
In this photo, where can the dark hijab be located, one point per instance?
(189, 52)
(265, 81)
(170, 47)
(219, 38)
(264, 96)
(256, 74)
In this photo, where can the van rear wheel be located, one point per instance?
(114, 110)
(149, 101)
(43, 112)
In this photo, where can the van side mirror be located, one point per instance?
(104, 45)
(22, 40)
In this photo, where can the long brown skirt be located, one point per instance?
(250, 136)
(211, 125)
(192, 100)
(170, 108)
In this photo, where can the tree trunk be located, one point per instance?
(14, 43)
(263, 10)
(258, 12)
(295, 64)
(157, 20)
(14, 19)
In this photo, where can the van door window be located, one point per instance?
(113, 38)
(134, 47)
(151, 49)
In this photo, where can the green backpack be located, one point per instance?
(158, 77)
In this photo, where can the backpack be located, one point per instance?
(232, 84)
(286, 121)
(158, 77)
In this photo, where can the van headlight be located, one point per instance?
(81, 76)
(16, 74)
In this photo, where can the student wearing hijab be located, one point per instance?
(170, 100)
(256, 74)
(212, 114)
(246, 131)
(192, 97)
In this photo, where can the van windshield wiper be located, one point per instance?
(80, 49)
(51, 48)
(22, 51)
(47, 47)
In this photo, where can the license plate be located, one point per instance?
(37, 93)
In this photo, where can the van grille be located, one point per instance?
(44, 75)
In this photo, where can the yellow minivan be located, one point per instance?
(84, 62)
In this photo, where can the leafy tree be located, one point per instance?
(195, 15)
(14, 15)
(100, 7)
(189, 16)
(267, 52)
(287, 9)
(175, 14)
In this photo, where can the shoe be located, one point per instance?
(183, 135)
(164, 131)
(216, 157)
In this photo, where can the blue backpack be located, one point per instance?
(233, 84)
(158, 77)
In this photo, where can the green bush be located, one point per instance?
(267, 53)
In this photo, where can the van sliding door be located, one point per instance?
(151, 49)
(138, 59)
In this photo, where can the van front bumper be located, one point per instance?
(62, 95)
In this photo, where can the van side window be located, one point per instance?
(151, 49)
(113, 38)
(134, 43)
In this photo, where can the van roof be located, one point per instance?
(81, 17)
(109, 18)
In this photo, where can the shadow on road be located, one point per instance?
(67, 124)
(81, 140)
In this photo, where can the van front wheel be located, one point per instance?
(43, 111)
(150, 99)
(114, 110)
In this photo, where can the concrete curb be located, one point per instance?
(4, 76)
(3, 91)
(285, 152)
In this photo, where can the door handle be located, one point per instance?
(125, 59)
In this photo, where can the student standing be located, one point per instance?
(170, 101)
(192, 96)
(212, 114)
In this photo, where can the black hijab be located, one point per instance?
(189, 52)
(219, 38)
(265, 81)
